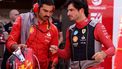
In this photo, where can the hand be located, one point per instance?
(54, 49)
(53, 68)
(15, 46)
(53, 65)
(22, 45)
(99, 56)
(5, 35)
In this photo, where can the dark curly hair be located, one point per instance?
(78, 4)
(48, 2)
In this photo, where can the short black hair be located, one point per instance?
(78, 4)
(48, 2)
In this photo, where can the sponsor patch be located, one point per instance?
(75, 38)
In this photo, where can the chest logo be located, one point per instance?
(83, 38)
(31, 29)
(75, 38)
(48, 34)
(75, 32)
(83, 31)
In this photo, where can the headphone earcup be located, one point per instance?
(35, 7)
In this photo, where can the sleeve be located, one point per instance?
(14, 34)
(54, 41)
(65, 53)
(102, 36)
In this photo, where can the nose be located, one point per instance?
(48, 14)
(68, 13)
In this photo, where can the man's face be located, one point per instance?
(72, 13)
(46, 11)
(14, 14)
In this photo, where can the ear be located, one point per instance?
(35, 8)
(81, 10)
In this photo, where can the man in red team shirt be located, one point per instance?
(84, 39)
(36, 32)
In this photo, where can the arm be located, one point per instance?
(102, 36)
(14, 37)
(65, 53)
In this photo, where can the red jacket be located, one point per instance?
(39, 41)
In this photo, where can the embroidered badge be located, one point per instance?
(75, 32)
(83, 38)
(48, 34)
(31, 29)
(83, 31)
(75, 38)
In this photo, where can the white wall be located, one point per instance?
(116, 20)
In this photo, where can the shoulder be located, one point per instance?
(100, 26)
(53, 30)
(27, 15)
(17, 21)
(93, 23)
(53, 26)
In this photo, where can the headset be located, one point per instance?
(35, 7)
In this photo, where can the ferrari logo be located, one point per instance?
(75, 38)
(83, 31)
(31, 29)
(26, 65)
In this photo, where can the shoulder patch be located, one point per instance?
(93, 23)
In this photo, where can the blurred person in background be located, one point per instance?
(2, 39)
(56, 20)
(13, 14)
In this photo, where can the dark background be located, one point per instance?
(24, 4)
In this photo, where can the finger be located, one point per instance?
(23, 45)
(52, 50)
(99, 58)
(94, 55)
(54, 47)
